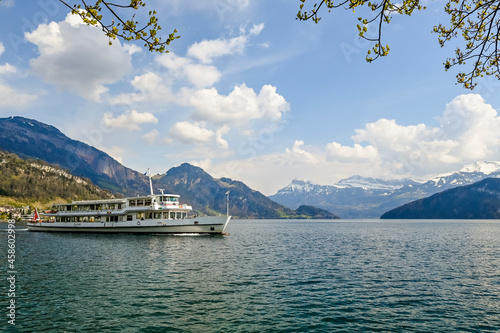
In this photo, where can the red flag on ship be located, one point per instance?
(36, 217)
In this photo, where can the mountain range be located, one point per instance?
(363, 197)
(480, 200)
(354, 197)
(29, 138)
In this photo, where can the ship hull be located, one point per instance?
(214, 225)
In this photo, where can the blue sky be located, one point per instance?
(250, 93)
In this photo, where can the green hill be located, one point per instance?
(29, 181)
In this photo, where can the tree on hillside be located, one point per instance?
(477, 21)
(116, 26)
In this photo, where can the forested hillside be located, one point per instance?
(28, 181)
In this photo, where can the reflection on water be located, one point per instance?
(266, 276)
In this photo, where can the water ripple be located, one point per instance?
(268, 276)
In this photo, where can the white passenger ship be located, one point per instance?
(154, 214)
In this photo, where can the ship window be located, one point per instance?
(129, 217)
(132, 203)
(98, 219)
(149, 215)
(157, 215)
(140, 202)
(165, 215)
(148, 202)
(98, 207)
(140, 216)
(172, 215)
(179, 214)
(184, 215)
(85, 219)
(119, 206)
(91, 219)
(58, 219)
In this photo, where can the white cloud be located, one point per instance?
(12, 98)
(132, 48)
(300, 155)
(187, 132)
(196, 133)
(7, 68)
(149, 87)
(469, 130)
(76, 57)
(130, 120)
(240, 106)
(183, 68)
(473, 124)
(256, 29)
(218, 137)
(206, 50)
(151, 137)
(336, 151)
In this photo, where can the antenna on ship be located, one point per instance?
(150, 182)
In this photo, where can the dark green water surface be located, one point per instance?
(266, 276)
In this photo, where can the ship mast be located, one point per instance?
(150, 182)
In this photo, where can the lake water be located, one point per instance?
(266, 276)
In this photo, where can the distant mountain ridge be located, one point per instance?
(208, 195)
(480, 200)
(364, 197)
(29, 138)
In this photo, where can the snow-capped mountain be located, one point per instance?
(365, 197)
(482, 167)
(375, 183)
